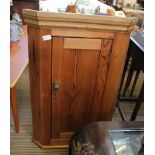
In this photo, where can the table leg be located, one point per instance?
(14, 108)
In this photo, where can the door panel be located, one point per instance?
(81, 75)
(78, 82)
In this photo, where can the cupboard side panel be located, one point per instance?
(34, 82)
(117, 60)
(44, 49)
(40, 84)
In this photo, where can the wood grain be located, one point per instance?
(48, 16)
(79, 21)
(82, 43)
(79, 84)
(21, 143)
(34, 81)
(101, 78)
(83, 26)
(66, 135)
(117, 60)
(74, 89)
(87, 69)
(74, 72)
(40, 60)
(55, 144)
(57, 56)
(45, 86)
(66, 95)
(63, 32)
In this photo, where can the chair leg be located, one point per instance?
(14, 108)
(124, 71)
(134, 83)
(138, 104)
(129, 78)
(120, 111)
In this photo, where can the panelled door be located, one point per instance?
(79, 70)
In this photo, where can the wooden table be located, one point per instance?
(18, 63)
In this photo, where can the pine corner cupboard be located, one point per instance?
(76, 62)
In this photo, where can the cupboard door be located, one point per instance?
(79, 69)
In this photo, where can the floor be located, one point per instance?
(21, 143)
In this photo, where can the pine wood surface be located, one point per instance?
(63, 60)
(73, 70)
(21, 143)
(116, 64)
(79, 21)
(40, 60)
(81, 33)
(84, 91)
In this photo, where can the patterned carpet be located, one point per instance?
(21, 143)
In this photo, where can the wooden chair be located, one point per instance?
(134, 63)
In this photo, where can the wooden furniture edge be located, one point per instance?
(107, 28)
(49, 146)
(41, 112)
(63, 20)
(18, 77)
(68, 32)
(56, 16)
